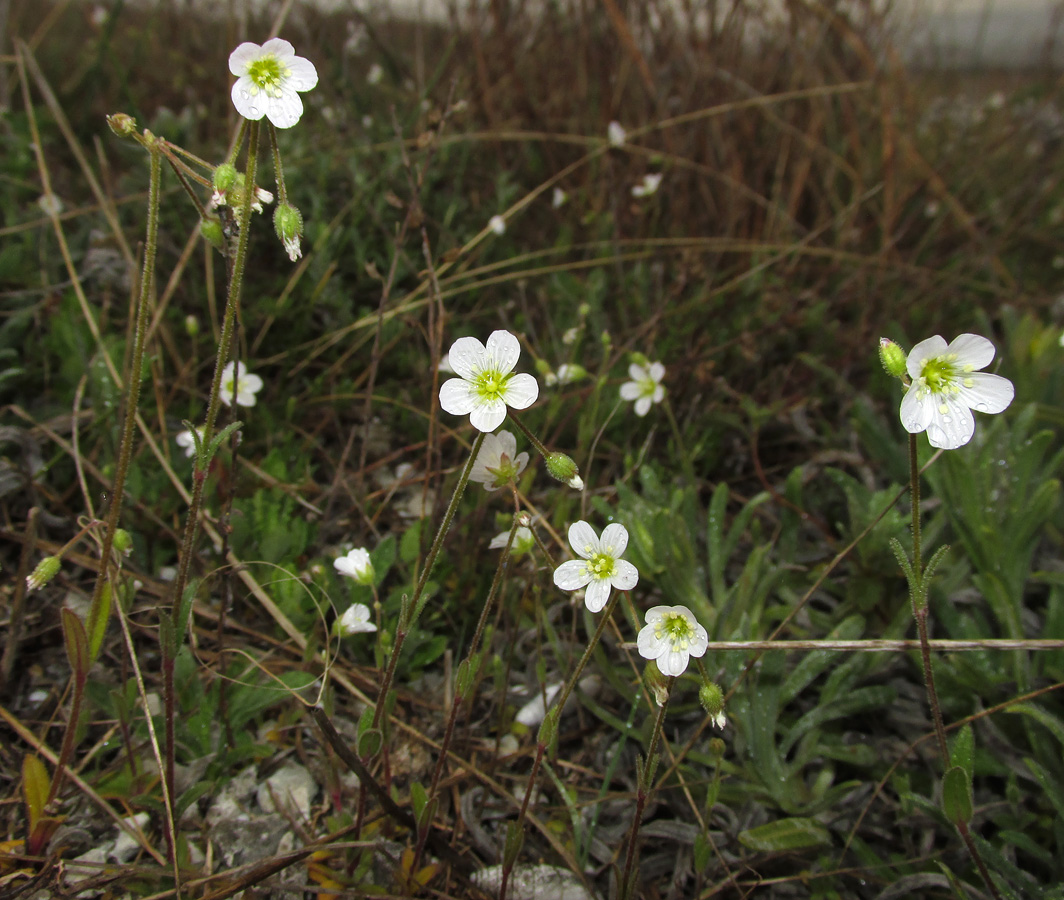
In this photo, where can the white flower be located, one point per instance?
(570, 336)
(558, 198)
(616, 134)
(487, 385)
(523, 541)
(498, 463)
(567, 373)
(268, 78)
(355, 620)
(649, 185)
(375, 74)
(600, 566)
(187, 442)
(645, 387)
(247, 385)
(50, 205)
(576, 483)
(672, 636)
(497, 224)
(947, 386)
(357, 564)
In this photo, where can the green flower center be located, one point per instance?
(647, 387)
(267, 73)
(676, 628)
(491, 384)
(504, 472)
(600, 566)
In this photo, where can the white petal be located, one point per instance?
(631, 390)
(656, 371)
(506, 444)
(700, 643)
(521, 391)
(655, 613)
(674, 662)
(284, 111)
(571, 575)
(504, 350)
(625, 575)
(650, 646)
(487, 415)
(467, 357)
(457, 397)
(278, 47)
(659, 394)
(988, 393)
(972, 350)
(242, 55)
(933, 346)
(954, 427)
(614, 539)
(249, 382)
(637, 372)
(642, 406)
(596, 595)
(917, 410)
(302, 76)
(582, 539)
(248, 105)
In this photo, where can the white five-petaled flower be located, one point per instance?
(600, 566)
(187, 442)
(497, 224)
(357, 564)
(247, 385)
(486, 384)
(671, 636)
(498, 463)
(649, 184)
(947, 386)
(616, 134)
(354, 620)
(268, 79)
(645, 388)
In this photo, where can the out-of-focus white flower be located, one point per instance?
(616, 134)
(567, 373)
(268, 81)
(247, 385)
(671, 637)
(50, 205)
(375, 74)
(498, 463)
(486, 384)
(645, 388)
(600, 566)
(357, 565)
(947, 386)
(187, 442)
(558, 198)
(497, 224)
(523, 541)
(355, 620)
(570, 336)
(647, 186)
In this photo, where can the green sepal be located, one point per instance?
(957, 795)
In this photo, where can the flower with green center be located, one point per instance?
(268, 78)
(947, 385)
(236, 375)
(358, 565)
(498, 463)
(600, 566)
(645, 387)
(486, 384)
(671, 637)
(354, 621)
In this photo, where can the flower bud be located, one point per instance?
(191, 325)
(46, 570)
(892, 357)
(122, 125)
(224, 177)
(562, 468)
(123, 542)
(212, 233)
(712, 699)
(657, 683)
(288, 223)
(716, 749)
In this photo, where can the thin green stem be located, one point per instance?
(914, 491)
(643, 792)
(527, 432)
(278, 169)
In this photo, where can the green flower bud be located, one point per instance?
(224, 177)
(46, 570)
(892, 357)
(123, 542)
(288, 223)
(191, 325)
(716, 749)
(543, 367)
(712, 699)
(122, 125)
(562, 468)
(212, 233)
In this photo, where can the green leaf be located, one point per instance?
(962, 753)
(77, 644)
(786, 834)
(1051, 722)
(369, 743)
(957, 795)
(35, 787)
(99, 614)
(419, 799)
